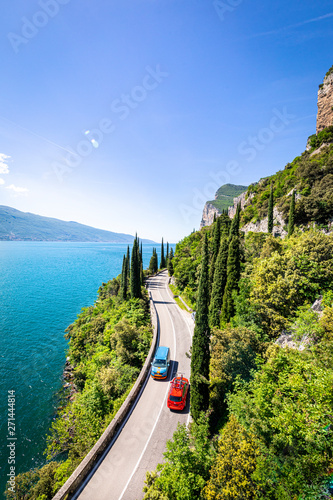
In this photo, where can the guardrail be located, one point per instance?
(91, 459)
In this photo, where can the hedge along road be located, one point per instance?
(141, 443)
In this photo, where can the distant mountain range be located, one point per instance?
(24, 226)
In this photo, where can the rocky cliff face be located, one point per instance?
(325, 103)
(239, 199)
(208, 215)
(262, 225)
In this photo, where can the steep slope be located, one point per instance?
(16, 225)
(310, 176)
(224, 198)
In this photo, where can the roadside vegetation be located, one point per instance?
(108, 344)
(262, 413)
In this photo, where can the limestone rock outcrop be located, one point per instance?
(325, 102)
(208, 215)
(262, 225)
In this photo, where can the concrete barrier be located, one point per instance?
(91, 459)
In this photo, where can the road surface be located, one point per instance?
(141, 443)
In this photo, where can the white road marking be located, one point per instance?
(181, 315)
(156, 420)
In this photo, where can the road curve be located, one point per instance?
(141, 443)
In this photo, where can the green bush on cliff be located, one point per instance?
(108, 344)
(271, 405)
(311, 178)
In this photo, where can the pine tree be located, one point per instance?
(219, 283)
(233, 275)
(162, 263)
(170, 263)
(135, 272)
(200, 357)
(291, 222)
(270, 211)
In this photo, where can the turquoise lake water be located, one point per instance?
(43, 287)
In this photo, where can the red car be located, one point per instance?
(178, 393)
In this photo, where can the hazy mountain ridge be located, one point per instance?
(25, 226)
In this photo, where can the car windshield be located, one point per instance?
(159, 362)
(175, 399)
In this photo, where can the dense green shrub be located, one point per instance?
(108, 344)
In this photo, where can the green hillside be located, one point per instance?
(225, 196)
(267, 430)
(310, 175)
(22, 226)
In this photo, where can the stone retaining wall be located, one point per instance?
(90, 460)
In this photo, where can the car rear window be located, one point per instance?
(175, 399)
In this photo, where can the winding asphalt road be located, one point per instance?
(141, 443)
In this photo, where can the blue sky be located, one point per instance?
(128, 115)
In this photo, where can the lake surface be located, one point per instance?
(43, 287)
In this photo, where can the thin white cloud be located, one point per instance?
(3, 164)
(292, 26)
(2, 181)
(17, 189)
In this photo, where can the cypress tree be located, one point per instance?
(153, 264)
(170, 263)
(291, 221)
(167, 253)
(162, 263)
(270, 211)
(215, 250)
(140, 262)
(135, 272)
(128, 264)
(200, 357)
(219, 283)
(123, 282)
(233, 275)
(234, 228)
(225, 223)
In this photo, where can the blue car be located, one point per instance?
(161, 363)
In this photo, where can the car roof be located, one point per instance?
(161, 351)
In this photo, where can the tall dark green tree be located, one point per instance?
(291, 221)
(162, 263)
(233, 275)
(167, 253)
(234, 228)
(153, 264)
(140, 262)
(219, 283)
(215, 249)
(135, 284)
(123, 286)
(200, 357)
(170, 263)
(125, 275)
(270, 211)
(128, 265)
